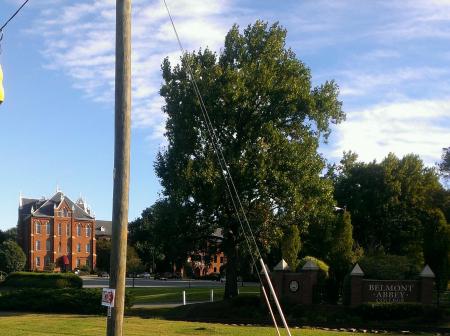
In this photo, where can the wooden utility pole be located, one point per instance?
(121, 174)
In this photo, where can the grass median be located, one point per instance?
(159, 295)
(81, 325)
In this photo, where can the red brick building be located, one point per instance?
(204, 263)
(58, 231)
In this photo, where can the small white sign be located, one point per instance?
(108, 296)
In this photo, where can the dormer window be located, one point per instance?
(102, 228)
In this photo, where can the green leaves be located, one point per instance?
(269, 122)
(12, 258)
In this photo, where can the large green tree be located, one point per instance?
(12, 257)
(387, 201)
(269, 121)
(165, 235)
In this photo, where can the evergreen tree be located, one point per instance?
(342, 253)
(437, 248)
(290, 247)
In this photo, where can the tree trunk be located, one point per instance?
(231, 289)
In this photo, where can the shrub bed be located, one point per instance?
(42, 280)
(397, 311)
(69, 300)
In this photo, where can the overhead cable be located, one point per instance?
(12, 16)
(229, 181)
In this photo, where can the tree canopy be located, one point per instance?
(12, 258)
(388, 200)
(269, 121)
(444, 165)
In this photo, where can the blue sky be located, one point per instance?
(390, 59)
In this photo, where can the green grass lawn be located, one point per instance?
(174, 295)
(78, 325)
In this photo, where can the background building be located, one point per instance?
(56, 231)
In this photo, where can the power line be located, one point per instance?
(12, 16)
(235, 199)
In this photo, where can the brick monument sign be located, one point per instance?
(390, 291)
(296, 287)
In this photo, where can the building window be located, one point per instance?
(68, 250)
(38, 261)
(59, 229)
(38, 245)
(215, 270)
(65, 212)
(68, 229)
(88, 230)
(88, 248)
(78, 247)
(47, 245)
(49, 228)
(38, 227)
(78, 262)
(79, 230)
(215, 259)
(221, 260)
(59, 247)
(46, 260)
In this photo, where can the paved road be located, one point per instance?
(138, 282)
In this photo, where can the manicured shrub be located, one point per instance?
(69, 300)
(322, 265)
(42, 280)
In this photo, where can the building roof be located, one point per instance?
(45, 207)
(103, 228)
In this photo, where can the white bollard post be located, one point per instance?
(212, 295)
(184, 298)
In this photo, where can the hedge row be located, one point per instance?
(42, 280)
(397, 311)
(76, 301)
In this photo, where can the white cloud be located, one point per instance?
(79, 40)
(358, 83)
(415, 126)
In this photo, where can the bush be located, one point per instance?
(388, 267)
(50, 267)
(70, 300)
(42, 280)
(12, 257)
(322, 265)
(396, 311)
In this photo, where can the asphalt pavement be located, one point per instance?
(93, 282)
